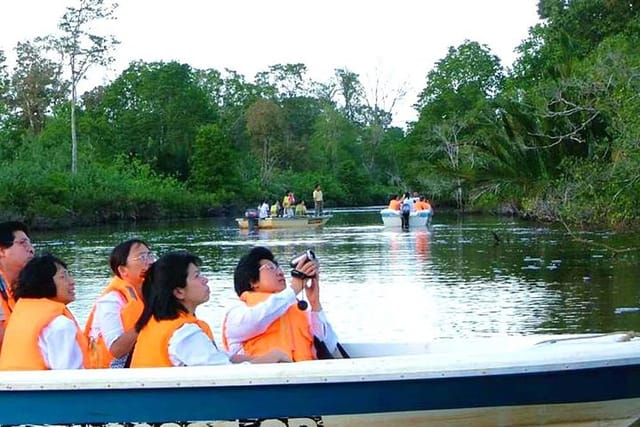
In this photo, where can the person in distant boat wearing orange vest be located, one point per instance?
(110, 327)
(42, 333)
(170, 332)
(15, 251)
(394, 202)
(268, 315)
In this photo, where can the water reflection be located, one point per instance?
(454, 279)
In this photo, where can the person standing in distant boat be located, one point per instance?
(318, 200)
(406, 208)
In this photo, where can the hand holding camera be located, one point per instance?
(300, 265)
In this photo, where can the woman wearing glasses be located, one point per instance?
(170, 332)
(269, 316)
(111, 324)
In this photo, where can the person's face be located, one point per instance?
(271, 278)
(138, 262)
(16, 256)
(65, 286)
(195, 292)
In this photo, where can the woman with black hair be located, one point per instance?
(269, 316)
(42, 333)
(110, 327)
(170, 334)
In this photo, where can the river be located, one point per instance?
(464, 277)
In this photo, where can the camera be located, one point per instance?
(309, 255)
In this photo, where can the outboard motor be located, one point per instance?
(252, 219)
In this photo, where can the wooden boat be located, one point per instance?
(393, 219)
(502, 381)
(281, 222)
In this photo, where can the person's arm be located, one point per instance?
(190, 346)
(58, 345)
(244, 322)
(109, 324)
(274, 356)
(318, 322)
(123, 344)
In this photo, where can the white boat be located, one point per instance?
(417, 219)
(569, 380)
(284, 222)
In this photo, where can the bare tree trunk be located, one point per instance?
(74, 139)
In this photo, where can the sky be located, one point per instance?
(393, 42)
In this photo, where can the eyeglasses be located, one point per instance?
(270, 266)
(145, 257)
(25, 242)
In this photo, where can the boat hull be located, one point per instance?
(286, 223)
(393, 219)
(526, 383)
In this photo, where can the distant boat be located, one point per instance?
(418, 219)
(568, 380)
(282, 223)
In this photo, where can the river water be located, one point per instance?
(463, 277)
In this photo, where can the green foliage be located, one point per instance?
(214, 164)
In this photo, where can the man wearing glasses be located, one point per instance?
(269, 315)
(15, 251)
(111, 324)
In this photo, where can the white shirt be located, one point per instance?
(58, 345)
(190, 346)
(263, 211)
(106, 319)
(244, 322)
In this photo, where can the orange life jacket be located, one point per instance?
(101, 357)
(290, 333)
(152, 346)
(20, 351)
(6, 298)
(394, 204)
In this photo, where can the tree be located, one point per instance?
(81, 48)
(214, 165)
(37, 86)
(266, 125)
(153, 111)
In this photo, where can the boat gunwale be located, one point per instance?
(367, 369)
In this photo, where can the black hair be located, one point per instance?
(8, 230)
(120, 253)
(36, 278)
(166, 274)
(248, 269)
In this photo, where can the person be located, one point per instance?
(394, 202)
(170, 334)
(301, 208)
(110, 327)
(15, 251)
(263, 209)
(42, 333)
(406, 208)
(422, 205)
(268, 315)
(318, 200)
(286, 205)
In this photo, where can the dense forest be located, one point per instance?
(554, 137)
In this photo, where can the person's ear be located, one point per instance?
(178, 293)
(122, 270)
